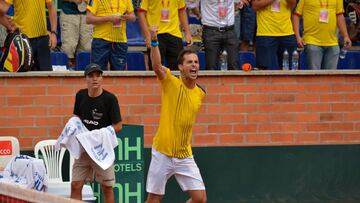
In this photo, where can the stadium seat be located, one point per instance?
(59, 59)
(247, 57)
(201, 56)
(302, 61)
(82, 60)
(135, 61)
(351, 61)
(134, 34)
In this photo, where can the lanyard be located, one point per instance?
(326, 5)
(168, 3)
(111, 7)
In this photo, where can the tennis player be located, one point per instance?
(181, 99)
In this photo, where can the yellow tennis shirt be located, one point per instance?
(178, 113)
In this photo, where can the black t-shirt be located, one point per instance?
(97, 112)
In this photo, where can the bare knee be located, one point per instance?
(153, 198)
(76, 188)
(197, 200)
(197, 196)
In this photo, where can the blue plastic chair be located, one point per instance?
(82, 60)
(135, 61)
(247, 57)
(134, 34)
(59, 58)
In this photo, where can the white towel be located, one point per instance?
(26, 171)
(67, 137)
(99, 143)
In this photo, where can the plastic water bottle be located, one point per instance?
(343, 52)
(223, 61)
(295, 60)
(285, 61)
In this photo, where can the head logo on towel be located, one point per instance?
(5, 148)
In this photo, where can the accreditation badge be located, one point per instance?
(222, 9)
(275, 6)
(324, 16)
(165, 15)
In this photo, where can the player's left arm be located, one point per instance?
(53, 23)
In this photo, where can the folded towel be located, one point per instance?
(26, 171)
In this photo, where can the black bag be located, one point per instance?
(17, 55)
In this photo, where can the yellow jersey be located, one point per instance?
(179, 106)
(30, 16)
(156, 8)
(106, 30)
(274, 21)
(316, 32)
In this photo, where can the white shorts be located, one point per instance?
(162, 167)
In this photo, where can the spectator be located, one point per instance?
(109, 43)
(76, 35)
(219, 33)
(320, 20)
(274, 32)
(30, 18)
(165, 15)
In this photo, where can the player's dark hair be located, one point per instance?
(185, 51)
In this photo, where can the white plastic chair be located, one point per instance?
(53, 160)
(5, 155)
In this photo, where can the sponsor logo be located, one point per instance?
(5, 148)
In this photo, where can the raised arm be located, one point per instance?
(155, 55)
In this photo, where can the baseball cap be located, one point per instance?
(91, 68)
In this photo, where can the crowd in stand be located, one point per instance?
(267, 27)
